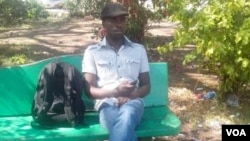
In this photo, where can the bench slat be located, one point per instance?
(158, 93)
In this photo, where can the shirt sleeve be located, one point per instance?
(144, 61)
(88, 63)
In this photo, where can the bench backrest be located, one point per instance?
(18, 85)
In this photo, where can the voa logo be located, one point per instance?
(236, 132)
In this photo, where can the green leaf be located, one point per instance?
(245, 63)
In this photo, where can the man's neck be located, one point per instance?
(116, 43)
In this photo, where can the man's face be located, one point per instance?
(115, 26)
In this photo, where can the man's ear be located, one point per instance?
(102, 32)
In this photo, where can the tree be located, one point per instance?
(12, 12)
(15, 12)
(137, 22)
(220, 31)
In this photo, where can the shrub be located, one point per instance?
(12, 12)
(36, 10)
(137, 23)
(79, 8)
(220, 31)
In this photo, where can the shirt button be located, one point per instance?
(118, 66)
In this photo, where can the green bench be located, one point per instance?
(17, 87)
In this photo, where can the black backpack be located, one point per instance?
(58, 98)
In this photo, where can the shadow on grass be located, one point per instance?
(53, 35)
(41, 40)
(29, 53)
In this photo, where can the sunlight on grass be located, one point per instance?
(204, 113)
(17, 54)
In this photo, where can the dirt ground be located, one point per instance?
(73, 36)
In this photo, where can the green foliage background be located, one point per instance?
(15, 12)
(220, 31)
(80, 8)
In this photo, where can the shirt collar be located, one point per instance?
(104, 43)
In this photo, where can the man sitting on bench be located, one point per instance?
(116, 73)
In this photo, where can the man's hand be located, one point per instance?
(124, 89)
(121, 100)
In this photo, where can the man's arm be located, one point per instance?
(93, 90)
(122, 90)
(144, 86)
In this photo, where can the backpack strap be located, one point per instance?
(68, 73)
(43, 98)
